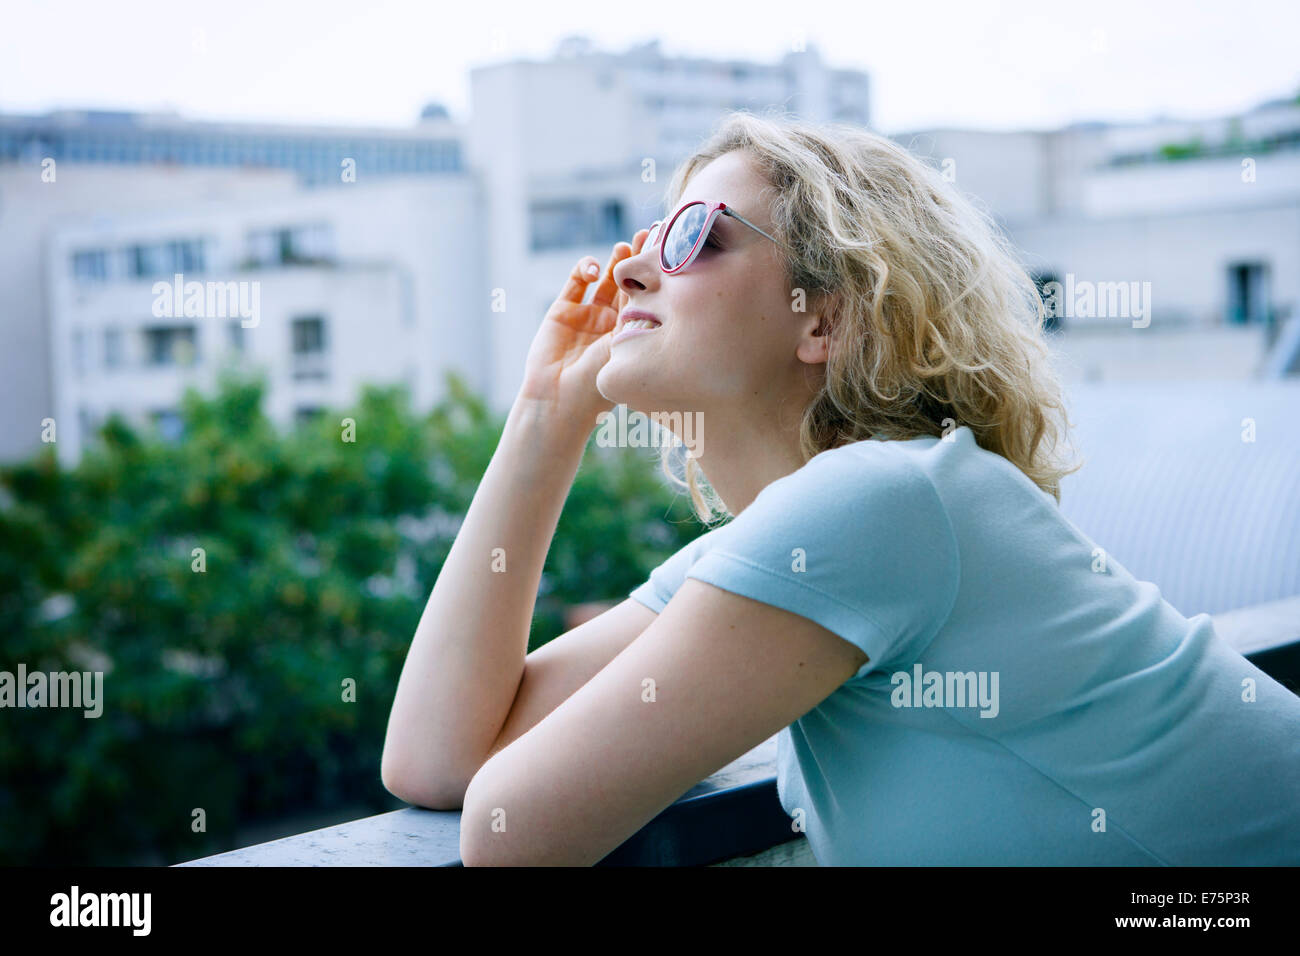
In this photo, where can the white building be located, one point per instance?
(29, 208)
(78, 164)
(365, 284)
(1201, 217)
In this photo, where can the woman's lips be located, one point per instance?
(634, 315)
(627, 333)
(627, 315)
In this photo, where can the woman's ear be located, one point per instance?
(815, 346)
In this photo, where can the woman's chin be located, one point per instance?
(636, 386)
(610, 382)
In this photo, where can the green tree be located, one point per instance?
(232, 585)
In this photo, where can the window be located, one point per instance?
(235, 331)
(611, 221)
(298, 244)
(114, 351)
(148, 261)
(569, 223)
(283, 245)
(90, 265)
(308, 335)
(1248, 293)
(185, 255)
(309, 347)
(557, 225)
(306, 414)
(170, 345)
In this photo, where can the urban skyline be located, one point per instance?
(479, 213)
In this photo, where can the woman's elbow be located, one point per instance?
(422, 789)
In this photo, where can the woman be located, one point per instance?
(957, 674)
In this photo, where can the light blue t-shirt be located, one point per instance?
(1027, 701)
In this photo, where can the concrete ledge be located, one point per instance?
(732, 818)
(733, 813)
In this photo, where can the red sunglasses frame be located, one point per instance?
(711, 212)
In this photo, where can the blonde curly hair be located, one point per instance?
(930, 314)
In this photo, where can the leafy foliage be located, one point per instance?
(223, 689)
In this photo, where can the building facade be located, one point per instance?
(322, 291)
(1175, 246)
(81, 165)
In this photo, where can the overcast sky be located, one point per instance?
(1010, 65)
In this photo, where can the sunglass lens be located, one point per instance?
(684, 234)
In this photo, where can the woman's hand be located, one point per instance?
(572, 344)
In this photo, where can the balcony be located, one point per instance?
(731, 818)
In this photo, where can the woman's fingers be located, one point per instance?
(585, 271)
(608, 288)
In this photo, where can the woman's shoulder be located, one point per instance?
(874, 466)
(954, 464)
(868, 488)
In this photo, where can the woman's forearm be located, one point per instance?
(466, 660)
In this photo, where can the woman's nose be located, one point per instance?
(636, 270)
(625, 277)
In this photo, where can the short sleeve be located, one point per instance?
(858, 540)
(659, 588)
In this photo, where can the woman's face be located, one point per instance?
(729, 336)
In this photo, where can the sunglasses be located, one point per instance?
(687, 231)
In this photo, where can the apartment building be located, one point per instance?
(71, 166)
(324, 291)
(1182, 237)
